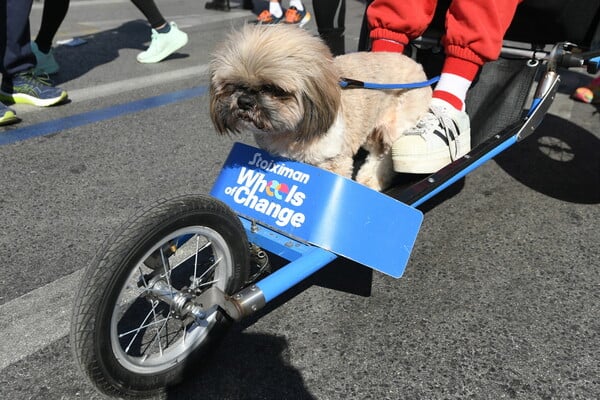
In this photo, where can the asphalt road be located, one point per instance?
(501, 297)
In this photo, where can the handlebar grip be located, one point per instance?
(569, 60)
(593, 65)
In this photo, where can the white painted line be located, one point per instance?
(110, 89)
(36, 319)
(113, 88)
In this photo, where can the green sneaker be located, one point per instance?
(29, 88)
(45, 63)
(7, 115)
(163, 45)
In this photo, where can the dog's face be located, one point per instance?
(277, 80)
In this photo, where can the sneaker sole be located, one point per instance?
(302, 22)
(164, 54)
(20, 98)
(9, 117)
(425, 164)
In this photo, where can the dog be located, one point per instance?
(282, 84)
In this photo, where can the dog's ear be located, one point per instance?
(321, 105)
(215, 110)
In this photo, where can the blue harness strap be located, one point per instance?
(347, 83)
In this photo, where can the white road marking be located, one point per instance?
(113, 88)
(36, 319)
(110, 89)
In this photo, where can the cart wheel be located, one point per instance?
(135, 327)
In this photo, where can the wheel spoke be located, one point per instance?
(158, 330)
(208, 283)
(198, 250)
(167, 272)
(142, 326)
(166, 269)
(209, 269)
(150, 333)
(196, 261)
(142, 277)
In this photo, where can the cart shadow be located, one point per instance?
(244, 366)
(254, 366)
(560, 160)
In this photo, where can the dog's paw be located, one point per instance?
(371, 182)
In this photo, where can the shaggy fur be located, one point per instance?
(281, 84)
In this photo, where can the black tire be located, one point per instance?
(109, 333)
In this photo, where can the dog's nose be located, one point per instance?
(245, 102)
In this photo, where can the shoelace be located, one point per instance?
(450, 130)
(32, 79)
(436, 118)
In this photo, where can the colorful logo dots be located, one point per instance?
(274, 188)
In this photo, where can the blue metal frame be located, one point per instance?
(304, 259)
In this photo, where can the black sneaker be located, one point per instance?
(29, 88)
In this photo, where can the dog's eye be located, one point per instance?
(274, 90)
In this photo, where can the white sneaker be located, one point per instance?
(163, 45)
(440, 137)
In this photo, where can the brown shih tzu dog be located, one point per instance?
(281, 84)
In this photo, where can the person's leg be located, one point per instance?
(17, 55)
(330, 16)
(474, 33)
(393, 24)
(221, 5)
(167, 38)
(19, 82)
(52, 17)
(364, 42)
(152, 14)
(275, 9)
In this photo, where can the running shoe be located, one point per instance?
(29, 88)
(163, 45)
(45, 63)
(7, 115)
(590, 93)
(294, 16)
(266, 18)
(440, 137)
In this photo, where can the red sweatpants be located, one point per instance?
(474, 28)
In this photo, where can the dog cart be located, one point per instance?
(163, 288)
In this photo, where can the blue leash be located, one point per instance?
(347, 83)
